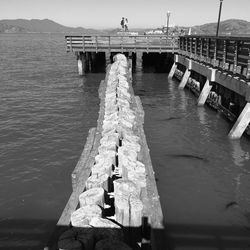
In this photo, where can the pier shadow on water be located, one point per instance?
(37, 234)
(214, 237)
(24, 234)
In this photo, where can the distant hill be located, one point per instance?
(36, 25)
(227, 27)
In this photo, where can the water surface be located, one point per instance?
(45, 113)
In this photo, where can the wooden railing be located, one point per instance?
(231, 54)
(122, 43)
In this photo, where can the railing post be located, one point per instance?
(224, 52)
(215, 49)
(160, 43)
(147, 44)
(122, 43)
(201, 49)
(190, 46)
(248, 65)
(236, 47)
(215, 53)
(208, 47)
(181, 44)
(71, 43)
(186, 45)
(195, 46)
(83, 43)
(134, 44)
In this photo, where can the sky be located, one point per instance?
(140, 13)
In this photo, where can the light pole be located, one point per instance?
(168, 15)
(218, 23)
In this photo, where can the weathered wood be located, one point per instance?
(241, 123)
(82, 216)
(94, 196)
(184, 79)
(121, 43)
(83, 158)
(219, 51)
(133, 200)
(81, 62)
(204, 93)
(139, 60)
(172, 71)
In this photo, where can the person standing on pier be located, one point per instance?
(126, 24)
(122, 23)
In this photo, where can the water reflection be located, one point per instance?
(171, 87)
(201, 112)
(239, 155)
(183, 100)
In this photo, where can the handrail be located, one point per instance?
(129, 42)
(231, 54)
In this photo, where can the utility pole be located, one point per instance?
(218, 23)
(168, 15)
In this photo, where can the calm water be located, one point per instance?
(45, 113)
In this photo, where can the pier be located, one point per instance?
(88, 47)
(218, 69)
(114, 202)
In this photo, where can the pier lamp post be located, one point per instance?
(218, 23)
(168, 15)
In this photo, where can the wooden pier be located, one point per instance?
(130, 216)
(87, 47)
(122, 43)
(217, 67)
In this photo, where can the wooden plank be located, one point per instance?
(83, 158)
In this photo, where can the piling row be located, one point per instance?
(115, 203)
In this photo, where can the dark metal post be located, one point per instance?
(168, 15)
(218, 23)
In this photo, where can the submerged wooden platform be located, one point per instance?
(149, 232)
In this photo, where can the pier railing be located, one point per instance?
(122, 43)
(231, 54)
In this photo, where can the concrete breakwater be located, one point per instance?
(114, 203)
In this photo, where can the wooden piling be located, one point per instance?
(204, 93)
(241, 123)
(81, 62)
(107, 58)
(184, 79)
(139, 60)
(172, 71)
(133, 201)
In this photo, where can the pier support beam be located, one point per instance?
(89, 61)
(241, 123)
(172, 71)
(204, 93)
(184, 79)
(130, 61)
(139, 61)
(81, 62)
(107, 58)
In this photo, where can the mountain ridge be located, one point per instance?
(227, 27)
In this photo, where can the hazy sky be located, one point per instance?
(140, 13)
